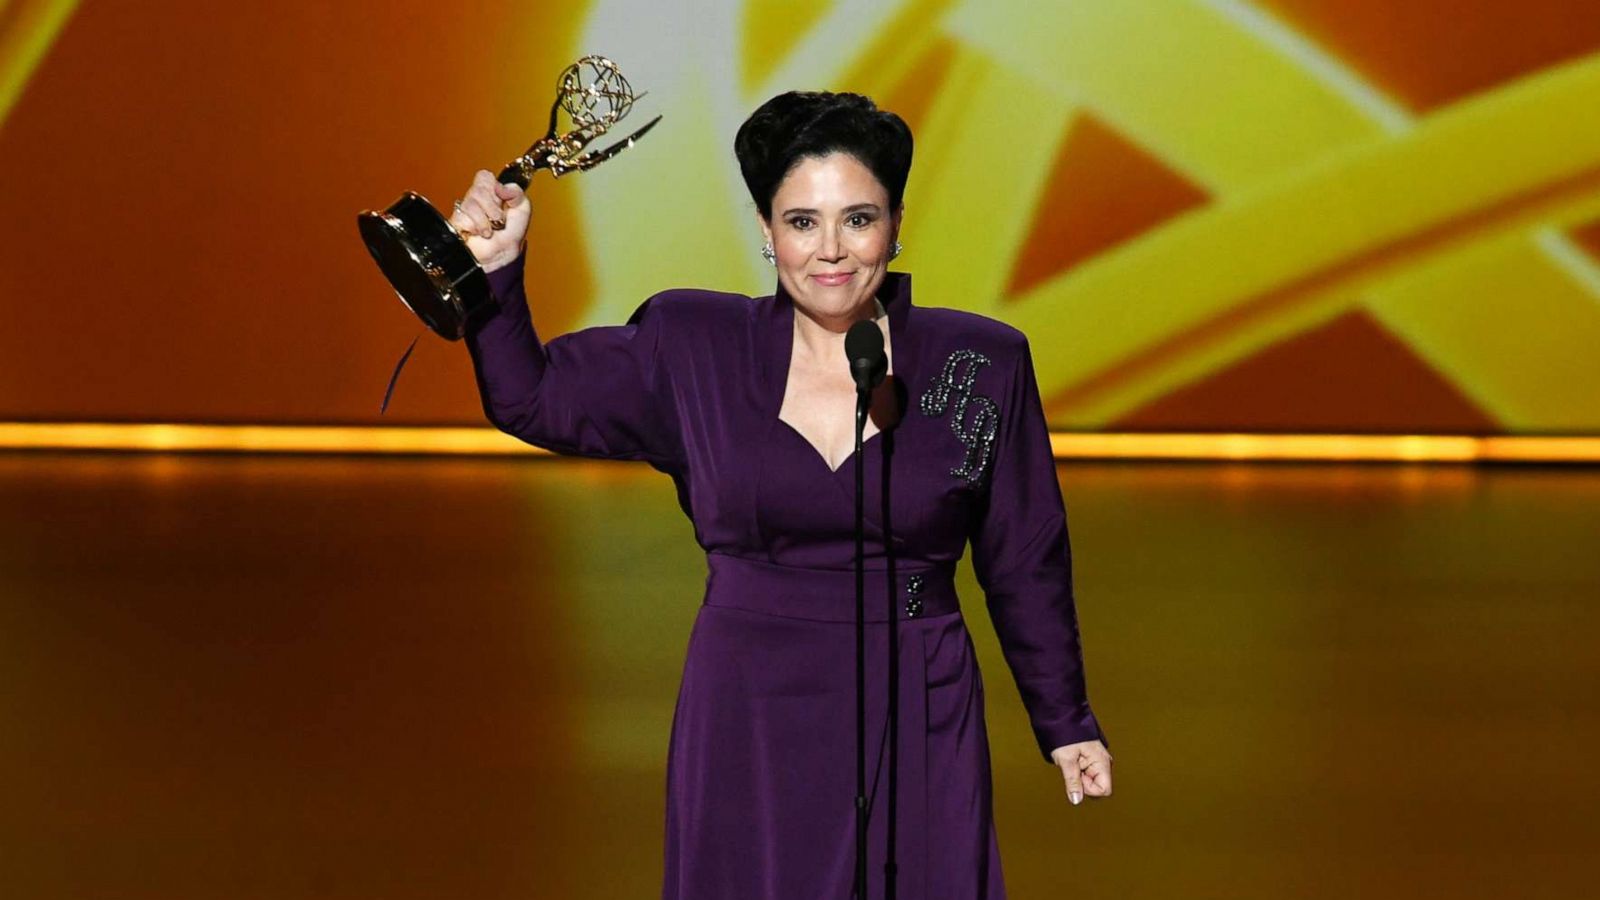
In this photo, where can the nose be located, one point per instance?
(832, 248)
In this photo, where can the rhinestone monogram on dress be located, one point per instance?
(974, 417)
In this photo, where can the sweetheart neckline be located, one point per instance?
(818, 453)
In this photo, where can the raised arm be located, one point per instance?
(1021, 555)
(601, 392)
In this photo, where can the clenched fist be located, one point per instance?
(1086, 767)
(493, 217)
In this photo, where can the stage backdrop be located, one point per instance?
(1206, 214)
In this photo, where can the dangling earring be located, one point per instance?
(769, 255)
(894, 251)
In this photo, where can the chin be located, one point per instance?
(834, 303)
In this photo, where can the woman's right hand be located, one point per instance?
(486, 203)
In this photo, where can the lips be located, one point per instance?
(833, 279)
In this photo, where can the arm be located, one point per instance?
(599, 392)
(1022, 558)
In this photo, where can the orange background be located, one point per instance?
(182, 246)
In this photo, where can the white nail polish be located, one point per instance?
(1075, 796)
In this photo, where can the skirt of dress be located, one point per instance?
(761, 769)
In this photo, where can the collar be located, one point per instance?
(776, 329)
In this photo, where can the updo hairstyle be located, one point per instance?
(802, 124)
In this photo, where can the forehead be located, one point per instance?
(837, 179)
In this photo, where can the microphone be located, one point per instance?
(863, 345)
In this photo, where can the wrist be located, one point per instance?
(495, 263)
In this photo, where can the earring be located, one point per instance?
(768, 254)
(895, 250)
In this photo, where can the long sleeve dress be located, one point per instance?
(761, 764)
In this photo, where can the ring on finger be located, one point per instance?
(497, 224)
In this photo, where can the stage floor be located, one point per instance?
(346, 677)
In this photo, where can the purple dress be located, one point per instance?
(761, 767)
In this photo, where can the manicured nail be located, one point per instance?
(1075, 796)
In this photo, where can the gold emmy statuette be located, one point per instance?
(427, 260)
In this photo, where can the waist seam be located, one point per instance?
(840, 622)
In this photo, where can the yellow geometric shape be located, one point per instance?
(27, 29)
(863, 47)
(898, 45)
(1161, 70)
(768, 30)
(969, 213)
(1221, 94)
(1519, 336)
(1221, 282)
(1100, 190)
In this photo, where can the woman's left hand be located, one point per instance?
(1086, 766)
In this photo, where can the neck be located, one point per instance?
(820, 336)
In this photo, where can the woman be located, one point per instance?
(749, 405)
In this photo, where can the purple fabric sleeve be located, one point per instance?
(598, 392)
(1023, 560)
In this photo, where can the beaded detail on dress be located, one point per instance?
(974, 418)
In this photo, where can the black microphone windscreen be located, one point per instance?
(864, 341)
(863, 346)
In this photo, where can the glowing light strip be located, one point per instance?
(258, 439)
(489, 442)
(1326, 447)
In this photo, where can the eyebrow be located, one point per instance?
(859, 207)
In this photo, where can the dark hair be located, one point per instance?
(801, 124)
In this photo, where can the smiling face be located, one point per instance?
(832, 228)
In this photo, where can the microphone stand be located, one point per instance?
(891, 864)
(863, 347)
(890, 867)
(863, 397)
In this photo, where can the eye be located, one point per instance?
(800, 223)
(859, 220)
